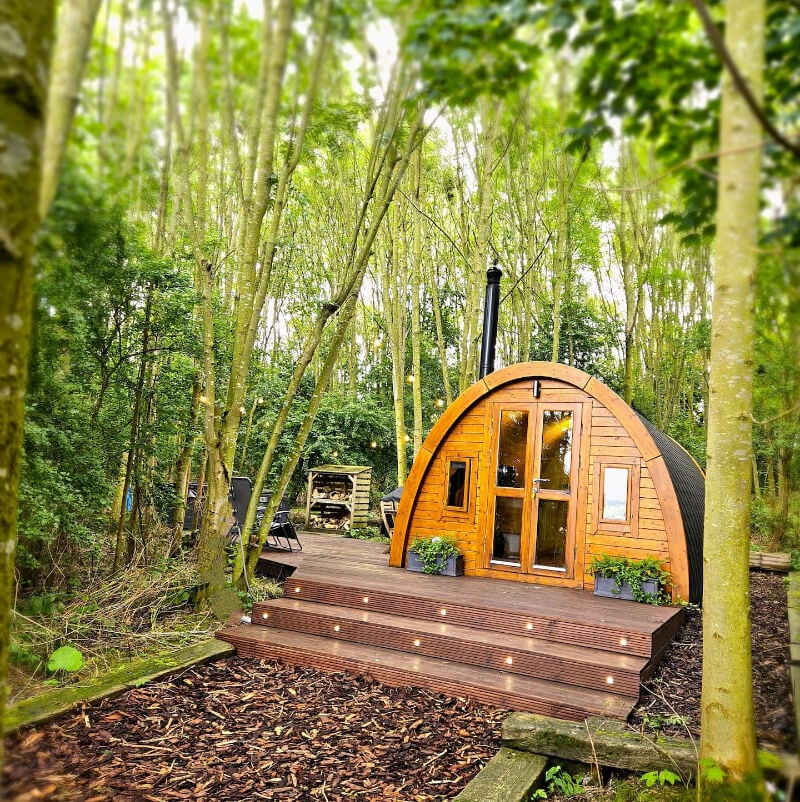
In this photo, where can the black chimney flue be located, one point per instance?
(490, 309)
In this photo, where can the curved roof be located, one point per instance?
(677, 483)
(690, 488)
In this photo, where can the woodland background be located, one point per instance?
(266, 228)
(153, 261)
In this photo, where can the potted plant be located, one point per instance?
(435, 555)
(624, 578)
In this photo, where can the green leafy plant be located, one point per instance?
(656, 721)
(65, 658)
(711, 770)
(433, 552)
(372, 533)
(662, 778)
(634, 573)
(562, 782)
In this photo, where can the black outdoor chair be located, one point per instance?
(282, 535)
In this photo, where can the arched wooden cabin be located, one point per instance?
(539, 466)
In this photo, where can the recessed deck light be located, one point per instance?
(366, 599)
(623, 641)
(443, 611)
(336, 628)
(297, 589)
(416, 642)
(610, 680)
(509, 661)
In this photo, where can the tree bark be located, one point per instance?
(727, 717)
(26, 32)
(75, 25)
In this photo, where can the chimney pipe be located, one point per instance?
(490, 309)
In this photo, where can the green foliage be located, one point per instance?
(465, 49)
(660, 778)
(656, 721)
(65, 658)
(372, 533)
(433, 552)
(711, 771)
(562, 782)
(634, 573)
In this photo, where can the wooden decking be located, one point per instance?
(546, 650)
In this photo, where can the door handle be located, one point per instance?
(536, 481)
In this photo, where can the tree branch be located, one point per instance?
(717, 42)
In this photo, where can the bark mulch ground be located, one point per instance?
(670, 702)
(244, 730)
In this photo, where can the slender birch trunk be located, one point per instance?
(75, 25)
(727, 717)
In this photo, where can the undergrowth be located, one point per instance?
(113, 619)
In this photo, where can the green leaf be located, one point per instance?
(65, 658)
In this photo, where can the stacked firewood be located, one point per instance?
(331, 492)
(329, 521)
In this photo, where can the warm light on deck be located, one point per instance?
(610, 680)
(297, 589)
(529, 626)
(366, 599)
(442, 611)
(623, 641)
(336, 628)
(416, 642)
(265, 615)
(509, 661)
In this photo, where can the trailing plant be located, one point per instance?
(433, 552)
(634, 573)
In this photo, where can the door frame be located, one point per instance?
(572, 557)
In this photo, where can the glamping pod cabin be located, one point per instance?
(538, 467)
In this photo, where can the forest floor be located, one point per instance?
(244, 730)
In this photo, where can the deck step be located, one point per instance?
(518, 654)
(562, 626)
(400, 669)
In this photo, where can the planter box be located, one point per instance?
(454, 566)
(604, 586)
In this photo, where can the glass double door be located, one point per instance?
(532, 488)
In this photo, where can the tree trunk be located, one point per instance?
(27, 31)
(75, 25)
(727, 717)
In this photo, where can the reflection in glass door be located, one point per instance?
(533, 488)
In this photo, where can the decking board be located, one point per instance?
(567, 647)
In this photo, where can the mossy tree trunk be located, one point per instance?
(727, 717)
(26, 32)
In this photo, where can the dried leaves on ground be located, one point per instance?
(249, 730)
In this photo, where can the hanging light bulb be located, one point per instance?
(260, 401)
(373, 444)
(242, 410)
(335, 454)
(203, 399)
(410, 378)
(440, 402)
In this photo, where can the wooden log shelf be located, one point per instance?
(338, 498)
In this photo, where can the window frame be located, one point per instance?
(630, 526)
(465, 508)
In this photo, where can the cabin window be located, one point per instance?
(616, 482)
(616, 495)
(457, 483)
